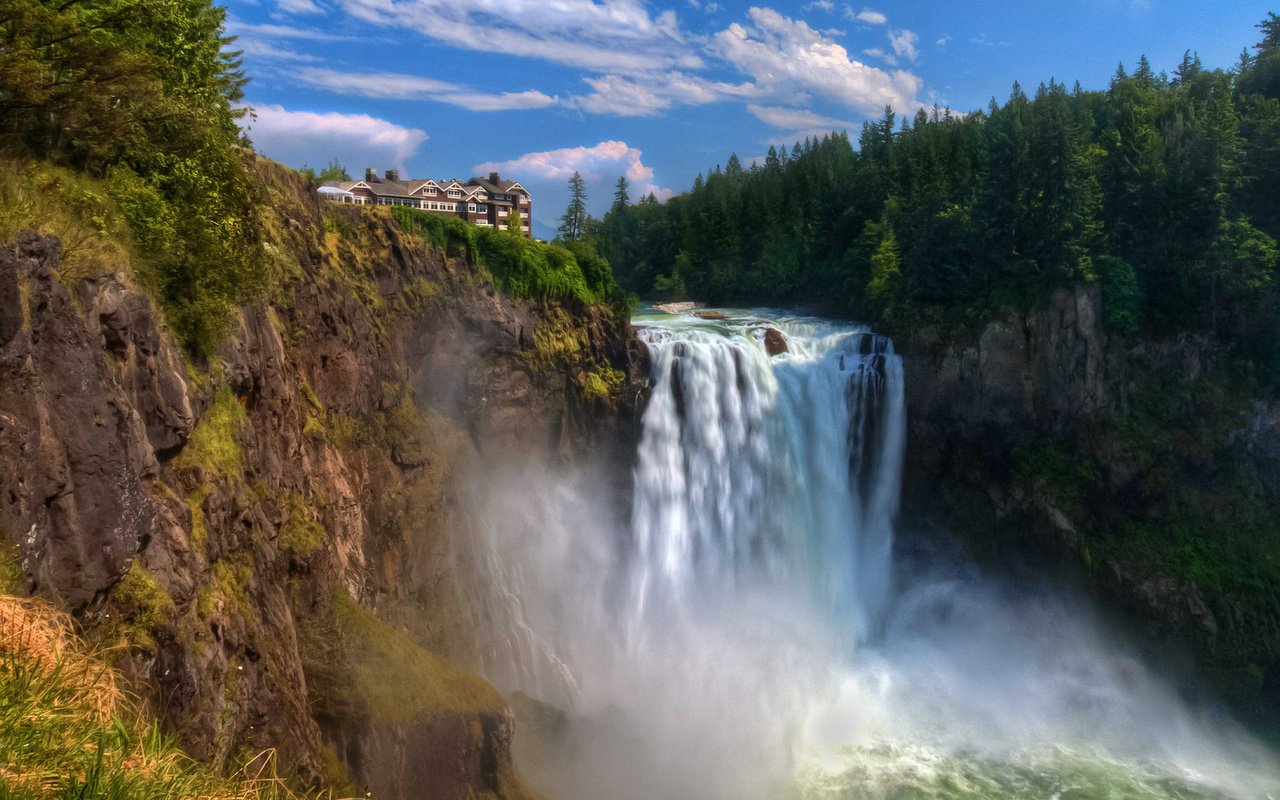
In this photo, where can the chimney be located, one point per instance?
(370, 175)
(493, 177)
(393, 175)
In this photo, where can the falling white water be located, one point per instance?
(750, 633)
(767, 473)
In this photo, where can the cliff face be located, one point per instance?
(1147, 465)
(277, 536)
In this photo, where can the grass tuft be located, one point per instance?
(67, 730)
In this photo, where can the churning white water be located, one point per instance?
(750, 633)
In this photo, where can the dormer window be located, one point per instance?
(455, 193)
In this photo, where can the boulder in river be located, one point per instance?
(774, 342)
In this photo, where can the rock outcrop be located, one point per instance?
(252, 528)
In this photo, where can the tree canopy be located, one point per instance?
(143, 93)
(1160, 188)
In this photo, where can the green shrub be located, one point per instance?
(519, 266)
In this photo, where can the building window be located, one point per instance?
(472, 208)
(483, 209)
(455, 193)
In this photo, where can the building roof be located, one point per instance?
(384, 188)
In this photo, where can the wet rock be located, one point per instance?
(774, 342)
(704, 314)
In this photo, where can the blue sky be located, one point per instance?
(662, 90)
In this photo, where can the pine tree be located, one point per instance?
(574, 221)
(621, 194)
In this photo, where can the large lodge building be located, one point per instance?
(486, 202)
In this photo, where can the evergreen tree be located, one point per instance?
(574, 222)
(621, 194)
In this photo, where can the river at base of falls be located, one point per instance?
(753, 632)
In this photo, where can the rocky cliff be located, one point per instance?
(275, 537)
(1149, 466)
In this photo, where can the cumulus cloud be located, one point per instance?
(600, 165)
(904, 43)
(823, 5)
(796, 119)
(308, 137)
(395, 86)
(786, 56)
(618, 36)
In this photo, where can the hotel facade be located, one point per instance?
(487, 202)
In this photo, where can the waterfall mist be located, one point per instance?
(749, 631)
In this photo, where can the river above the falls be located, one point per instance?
(752, 632)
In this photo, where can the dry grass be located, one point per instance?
(67, 730)
(34, 632)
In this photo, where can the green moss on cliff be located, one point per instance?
(603, 385)
(558, 338)
(195, 505)
(10, 565)
(214, 447)
(138, 607)
(300, 534)
(396, 680)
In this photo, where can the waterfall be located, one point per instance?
(747, 630)
(761, 471)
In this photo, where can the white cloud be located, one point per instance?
(786, 56)
(254, 47)
(876, 52)
(618, 36)
(599, 166)
(239, 28)
(868, 16)
(307, 137)
(298, 7)
(796, 119)
(944, 41)
(394, 86)
(904, 43)
(824, 5)
(629, 97)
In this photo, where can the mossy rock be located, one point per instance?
(214, 447)
(395, 680)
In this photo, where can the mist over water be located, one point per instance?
(750, 632)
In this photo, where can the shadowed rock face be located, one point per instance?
(1051, 378)
(353, 409)
(76, 465)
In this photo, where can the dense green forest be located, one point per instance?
(1165, 188)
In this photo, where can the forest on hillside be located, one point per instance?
(1164, 188)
